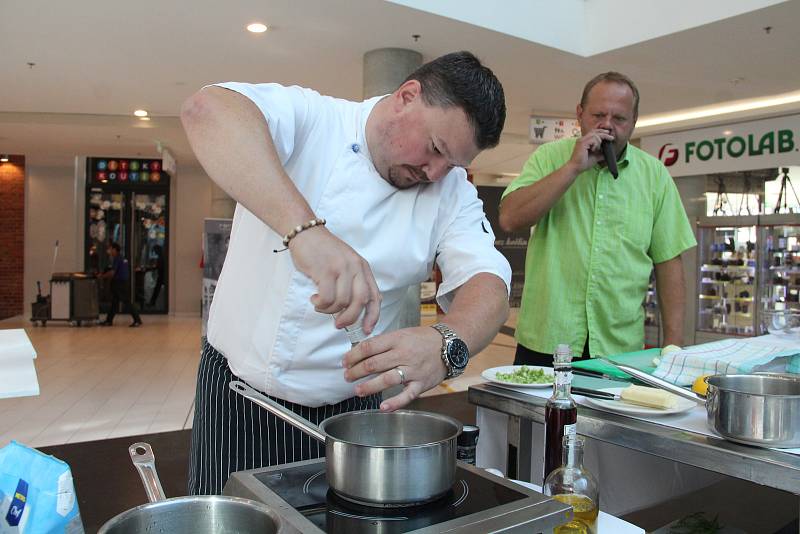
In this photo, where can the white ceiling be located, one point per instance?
(588, 27)
(98, 60)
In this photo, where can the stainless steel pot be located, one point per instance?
(378, 458)
(761, 409)
(209, 514)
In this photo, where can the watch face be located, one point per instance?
(458, 354)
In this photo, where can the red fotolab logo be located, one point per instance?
(668, 156)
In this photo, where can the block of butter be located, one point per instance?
(651, 397)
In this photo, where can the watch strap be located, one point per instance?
(447, 335)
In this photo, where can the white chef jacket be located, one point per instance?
(261, 318)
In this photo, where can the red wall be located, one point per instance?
(12, 235)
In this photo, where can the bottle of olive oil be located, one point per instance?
(572, 484)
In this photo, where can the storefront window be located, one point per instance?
(731, 204)
(787, 183)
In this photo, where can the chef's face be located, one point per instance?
(609, 105)
(420, 143)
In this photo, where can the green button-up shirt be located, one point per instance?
(589, 258)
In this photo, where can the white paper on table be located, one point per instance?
(14, 343)
(606, 523)
(16, 365)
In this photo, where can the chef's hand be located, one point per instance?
(414, 351)
(587, 149)
(344, 280)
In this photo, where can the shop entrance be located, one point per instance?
(127, 201)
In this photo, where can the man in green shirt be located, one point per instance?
(596, 238)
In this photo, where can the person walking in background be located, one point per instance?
(120, 274)
(597, 237)
(158, 267)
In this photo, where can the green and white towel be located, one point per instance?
(731, 356)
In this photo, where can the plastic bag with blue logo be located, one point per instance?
(36, 493)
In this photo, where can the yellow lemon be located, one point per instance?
(700, 386)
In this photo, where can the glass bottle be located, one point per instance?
(467, 443)
(560, 412)
(572, 484)
(355, 331)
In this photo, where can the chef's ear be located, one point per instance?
(408, 92)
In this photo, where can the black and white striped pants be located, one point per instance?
(230, 433)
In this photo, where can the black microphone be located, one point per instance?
(611, 159)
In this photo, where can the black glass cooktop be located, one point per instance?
(305, 488)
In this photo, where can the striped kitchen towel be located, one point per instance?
(730, 356)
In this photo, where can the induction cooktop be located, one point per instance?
(478, 502)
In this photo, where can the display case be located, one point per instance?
(780, 267)
(727, 278)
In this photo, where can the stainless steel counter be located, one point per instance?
(768, 467)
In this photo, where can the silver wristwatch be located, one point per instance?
(455, 353)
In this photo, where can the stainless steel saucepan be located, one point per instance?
(201, 514)
(761, 409)
(379, 458)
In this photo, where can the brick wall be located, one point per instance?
(12, 235)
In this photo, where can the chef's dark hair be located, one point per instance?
(115, 246)
(459, 79)
(613, 77)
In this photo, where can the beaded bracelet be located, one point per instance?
(297, 229)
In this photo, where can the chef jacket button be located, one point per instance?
(355, 148)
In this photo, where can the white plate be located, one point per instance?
(491, 376)
(683, 405)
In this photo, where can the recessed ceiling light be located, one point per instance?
(140, 113)
(720, 109)
(144, 118)
(727, 132)
(256, 27)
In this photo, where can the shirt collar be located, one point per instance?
(361, 132)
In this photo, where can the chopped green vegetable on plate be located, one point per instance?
(526, 375)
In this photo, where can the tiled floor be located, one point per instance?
(99, 383)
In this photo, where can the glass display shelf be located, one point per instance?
(727, 276)
(780, 270)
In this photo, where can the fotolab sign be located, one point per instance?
(731, 147)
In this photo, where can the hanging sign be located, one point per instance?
(731, 147)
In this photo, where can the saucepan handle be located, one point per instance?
(276, 409)
(145, 463)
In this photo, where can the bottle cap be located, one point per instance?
(563, 354)
(468, 436)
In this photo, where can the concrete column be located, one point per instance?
(384, 70)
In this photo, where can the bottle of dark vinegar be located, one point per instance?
(561, 411)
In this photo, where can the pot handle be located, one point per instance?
(651, 380)
(145, 463)
(276, 409)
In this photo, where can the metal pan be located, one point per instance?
(202, 514)
(761, 409)
(376, 458)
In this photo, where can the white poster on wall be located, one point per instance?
(742, 146)
(546, 129)
(216, 235)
